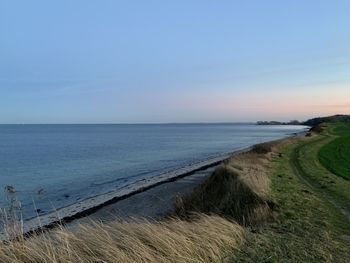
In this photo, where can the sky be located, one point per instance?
(161, 61)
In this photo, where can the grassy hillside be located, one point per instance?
(335, 156)
(316, 175)
(311, 213)
(238, 190)
(329, 119)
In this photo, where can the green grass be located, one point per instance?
(307, 227)
(322, 181)
(335, 156)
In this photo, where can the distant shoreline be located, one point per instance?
(279, 123)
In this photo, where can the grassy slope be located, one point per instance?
(325, 183)
(308, 228)
(335, 156)
(237, 190)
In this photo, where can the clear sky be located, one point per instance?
(115, 61)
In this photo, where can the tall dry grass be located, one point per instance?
(204, 239)
(238, 189)
(11, 222)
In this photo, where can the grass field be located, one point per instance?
(310, 224)
(335, 156)
(313, 172)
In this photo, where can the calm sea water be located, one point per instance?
(52, 166)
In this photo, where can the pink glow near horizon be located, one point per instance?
(280, 104)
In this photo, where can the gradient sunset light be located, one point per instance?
(180, 61)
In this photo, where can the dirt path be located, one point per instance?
(302, 175)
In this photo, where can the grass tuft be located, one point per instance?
(239, 189)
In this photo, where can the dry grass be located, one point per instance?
(205, 239)
(238, 189)
(307, 228)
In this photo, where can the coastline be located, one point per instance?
(85, 208)
(89, 206)
(154, 204)
(260, 189)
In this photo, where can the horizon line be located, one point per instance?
(133, 123)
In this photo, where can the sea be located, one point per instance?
(53, 166)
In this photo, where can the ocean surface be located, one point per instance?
(52, 166)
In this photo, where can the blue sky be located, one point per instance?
(172, 61)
